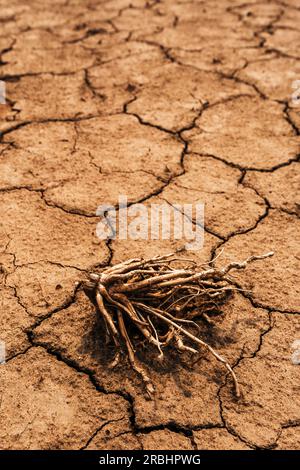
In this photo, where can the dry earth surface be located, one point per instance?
(177, 101)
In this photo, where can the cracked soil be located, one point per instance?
(161, 100)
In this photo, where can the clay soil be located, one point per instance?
(177, 101)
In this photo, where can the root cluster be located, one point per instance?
(161, 302)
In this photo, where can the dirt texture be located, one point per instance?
(174, 101)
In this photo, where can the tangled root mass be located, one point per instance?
(162, 302)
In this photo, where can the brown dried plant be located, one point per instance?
(162, 302)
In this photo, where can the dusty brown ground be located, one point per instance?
(161, 100)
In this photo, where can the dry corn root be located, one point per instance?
(162, 303)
